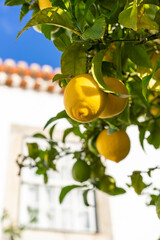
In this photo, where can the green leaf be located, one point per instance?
(158, 206)
(88, 4)
(117, 191)
(145, 81)
(128, 17)
(41, 171)
(112, 128)
(61, 115)
(157, 17)
(108, 69)
(75, 130)
(152, 200)
(92, 145)
(137, 182)
(85, 194)
(14, 2)
(45, 178)
(96, 31)
(156, 66)
(150, 170)
(135, 89)
(154, 137)
(156, 2)
(85, 197)
(84, 19)
(112, 11)
(59, 76)
(57, 31)
(62, 42)
(51, 131)
(46, 30)
(138, 55)
(142, 131)
(58, 3)
(97, 73)
(66, 190)
(33, 150)
(50, 16)
(147, 16)
(39, 135)
(66, 132)
(24, 10)
(97, 70)
(73, 60)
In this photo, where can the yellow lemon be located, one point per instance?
(44, 4)
(114, 146)
(114, 105)
(83, 99)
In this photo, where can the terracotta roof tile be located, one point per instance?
(34, 77)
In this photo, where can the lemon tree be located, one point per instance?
(110, 68)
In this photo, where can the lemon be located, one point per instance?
(114, 105)
(80, 171)
(115, 146)
(83, 100)
(44, 4)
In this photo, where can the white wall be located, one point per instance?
(130, 217)
(24, 107)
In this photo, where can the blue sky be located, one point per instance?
(30, 47)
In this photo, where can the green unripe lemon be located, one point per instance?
(80, 171)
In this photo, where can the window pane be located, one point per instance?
(67, 219)
(83, 220)
(39, 203)
(51, 219)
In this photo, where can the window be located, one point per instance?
(39, 203)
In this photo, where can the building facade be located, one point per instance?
(29, 99)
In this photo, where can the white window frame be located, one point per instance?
(57, 183)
